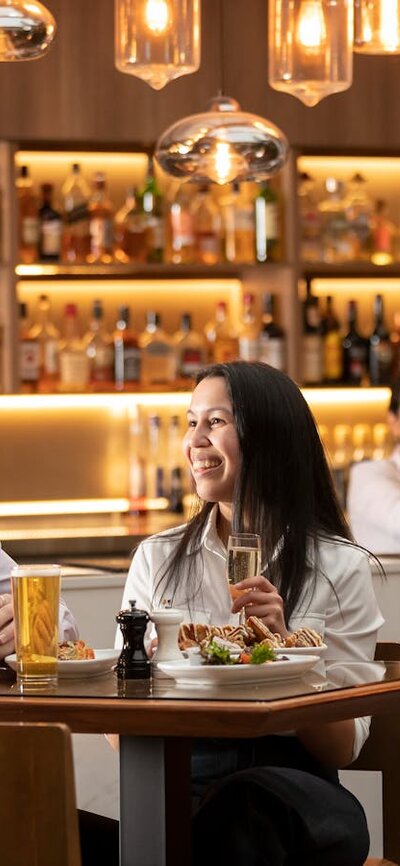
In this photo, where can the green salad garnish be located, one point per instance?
(261, 653)
(217, 655)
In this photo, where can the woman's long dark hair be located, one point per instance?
(283, 490)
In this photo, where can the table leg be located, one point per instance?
(155, 807)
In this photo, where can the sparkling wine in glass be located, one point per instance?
(244, 560)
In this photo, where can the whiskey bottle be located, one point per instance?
(76, 236)
(28, 218)
(47, 335)
(50, 227)
(155, 474)
(100, 351)
(152, 206)
(338, 243)
(127, 357)
(355, 351)
(180, 247)
(74, 362)
(206, 226)
(359, 214)
(238, 226)
(249, 330)
(383, 235)
(223, 343)
(309, 218)
(272, 342)
(130, 241)
(380, 348)
(158, 353)
(101, 230)
(332, 345)
(190, 348)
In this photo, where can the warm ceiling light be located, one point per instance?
(222, 144)
(377, 26)
(310, 47)
(157, 40)
(26, 30)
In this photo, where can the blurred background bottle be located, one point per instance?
(249, 330)
(380, 347)
(28, 218)
(180, 239)
(312, 345)
(238, 226)
(268, 224)
(338, 243)
(222, 340)
(190, 349)
(206, 227)
(101, 229)
(355, 351)
(359, 215)
(75, 199)
(332, 345)
(383, 234)
(272, 339)
(99, 350)
(152, 205)
(28, 354)
(47, 336)
(50, 226)
(74, 362)
(127, 355)
(130, 236)
(309, 219)
(157, 352)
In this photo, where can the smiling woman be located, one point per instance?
(258, 466)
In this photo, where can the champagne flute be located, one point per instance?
(244, 560)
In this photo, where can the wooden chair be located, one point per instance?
(382, 753)
(38, 816)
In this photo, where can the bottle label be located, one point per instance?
(191, 362)
(312, 359)
(182, 228)
(130, 371)
(30, 230)
(51, 357)
(102, 365)
(249, 348)
(333, 356)
(272, 351)
(158, 363)
(101, 235)
(74, 370)
(51, 237)
(29, 359)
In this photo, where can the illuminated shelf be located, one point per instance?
(349, 269)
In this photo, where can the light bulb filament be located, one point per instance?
(311, 28)
(222, 160)
(157, 16)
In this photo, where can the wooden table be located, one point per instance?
(156, 722)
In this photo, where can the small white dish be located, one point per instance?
(185, 673)
(104, 660)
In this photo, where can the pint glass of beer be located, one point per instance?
(36, 594)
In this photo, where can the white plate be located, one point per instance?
(302, 650)
(210, 675)
(103, 661)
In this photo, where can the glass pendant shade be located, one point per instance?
(157, 40)
(377, 26)
(27, 30)
(222, 144)
(310, 47)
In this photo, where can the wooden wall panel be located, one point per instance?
(75, 93)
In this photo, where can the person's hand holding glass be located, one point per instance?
(251, 592)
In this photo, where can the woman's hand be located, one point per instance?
(7, 644)
(260, 598)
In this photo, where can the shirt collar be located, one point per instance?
(395, 457)
(211, 539)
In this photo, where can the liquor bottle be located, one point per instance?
(28, 218)
(359, 215)
(206, 226)
(332, 345)
(174, 464)
(180, 241)
(50, 227)
(338, 244)
(355, 351)
(382, 235)
(75, 194)
(341, 460)
(28, 354)
(221, 337)
(136, 463)
(249, 330)
(101, 228)
(312, 346)
(127, 356)
(395, 344)
(155, 474)
(268, 225)
(100, 350)
(130, 242)
(47, 335)
(238, 226)
(309, 218)
(380, 348)
(152, 206)
(190, 347)
(158, 353)
(272, 341)
(74, 362)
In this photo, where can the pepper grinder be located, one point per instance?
(167, 622)
(133, 663)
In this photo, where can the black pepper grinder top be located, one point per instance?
(133, 663)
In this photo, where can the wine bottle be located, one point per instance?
(355, 351)
(380, 348)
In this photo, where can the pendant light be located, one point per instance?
(310, 47)
(377, 26)
(157, 40)
(223, 143)
(27, 30)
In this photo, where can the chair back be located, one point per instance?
(381, 752)
(38, 816)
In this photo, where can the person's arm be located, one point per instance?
(352, 623)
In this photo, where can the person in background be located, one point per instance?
(68, 629)
(258, 465)
(373, 498)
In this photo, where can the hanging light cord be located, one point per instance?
(221, 91)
